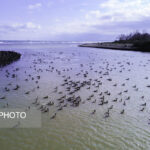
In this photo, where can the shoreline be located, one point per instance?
(8, 57)
(111, 45)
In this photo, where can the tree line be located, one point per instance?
(139, 40)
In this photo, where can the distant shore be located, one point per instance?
(111, 45)
(7, 57)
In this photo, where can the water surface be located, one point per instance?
(75, 128)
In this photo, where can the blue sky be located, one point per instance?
(72, 20)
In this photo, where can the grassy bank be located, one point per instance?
(7, 57)
(133, 41)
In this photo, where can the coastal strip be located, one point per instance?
(111, 45)
(7, 57)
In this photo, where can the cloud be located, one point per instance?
(128, 10)
(117, 10)
(123, 27)
(34, 6)
(17, 27)
(118, 16)
(108, 18)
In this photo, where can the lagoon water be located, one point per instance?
(75, 128)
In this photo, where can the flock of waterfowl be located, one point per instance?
(86, 78)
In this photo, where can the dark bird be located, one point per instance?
(143, 104)
(27, 92)
(115, 100)
(94, 111)
(52, 117)
(109, 79)
(3, 97)
(45, 97)
(60, 108)
(126, 91)
(124, 103)
(142, 109)
(120, 93)
(122, 112)
(134, 86)
(17, 87)
(7, 89)
(111, 107)
(128, 98)
(106, 114)
(35, 101)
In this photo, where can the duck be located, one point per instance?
(122, 112)
(46, 110)
(124, 103)
(3, 97)
(60, 108)
(52, 117)
(143, 104)
(45, 97)
(142, 109)
(106, 114)
(17, 87)
(35, 101)
(94, 101)
(128, 98)
(7, 89)
(115, 100)
(111, 107)
(28, 92)
(94, 111)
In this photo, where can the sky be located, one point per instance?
(72, 20)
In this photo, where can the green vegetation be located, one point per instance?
(139, 40)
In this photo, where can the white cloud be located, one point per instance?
(35, 6)
(112, 14)
(17, 27)
(126, 10)
(31, 25)
(112, 18)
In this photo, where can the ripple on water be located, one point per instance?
(76, 128)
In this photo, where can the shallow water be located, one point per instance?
(75, 128)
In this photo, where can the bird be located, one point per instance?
(124, 103)
(53, 116)
(122, 112)
(28, 92)
(142, 109)
(106, 115)
(35, 101)
(17, 87)
(7, 89)
(115, 100)
(111, 107)
(143, 104)
(94, 111)
(3, 97)
(45, 97)
(60, 108)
